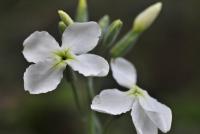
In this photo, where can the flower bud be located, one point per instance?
(62, 26)
(147, 17)
(112, 33)
(66, 19)
(82, 11)
(125, 44)
(104, 22)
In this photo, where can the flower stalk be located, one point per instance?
(125, 44)
(94, 125)
(70, 76)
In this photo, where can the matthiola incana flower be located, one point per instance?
(51, 59)
(147, 113)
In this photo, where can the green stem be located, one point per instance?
(107, 125)
(94, 123)
(91, 88)
(76, 98)
(71, 78)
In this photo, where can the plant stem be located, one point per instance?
(71, 78)
(91, 88)
(94, 123)
(76, 98)
(107, 125)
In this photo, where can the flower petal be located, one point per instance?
(112, 101)
(39, 46)
(43, 76)
(142, 122)
(81, 37)
(159, 113)
(90, 65)
(123, 72)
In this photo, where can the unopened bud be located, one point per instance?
(65, 18)
(147, 17)
(104, 22)
(82, 11)
(62, 26)
(112, 33)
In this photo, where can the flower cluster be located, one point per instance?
(78, 38)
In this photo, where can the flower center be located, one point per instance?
(64, 55)
(136, 91)
(64, 58)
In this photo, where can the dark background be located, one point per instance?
(166, 57)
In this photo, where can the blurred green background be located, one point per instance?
(166, 58)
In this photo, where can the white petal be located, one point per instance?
(43, 76)
(112, 101)
(159, 113)
(81, 37)
(39, 46)
(142, 122)
(90, 65)
(123, 72)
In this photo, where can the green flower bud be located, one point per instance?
(125, 44)
(62, 26)
(104, 22)
(112, 33)
(147, 17)
(65, 18)
(82, 11)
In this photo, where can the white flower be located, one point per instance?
(147, 113)
(51, 59)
